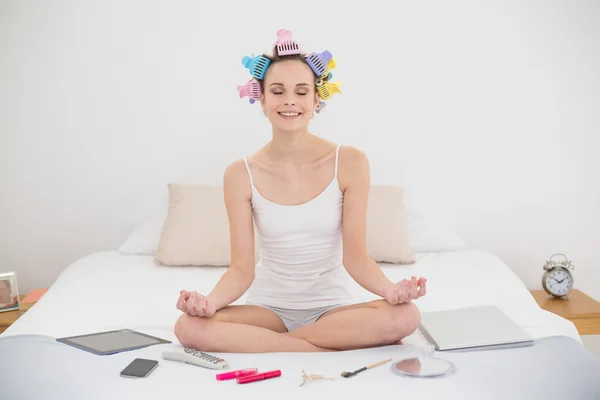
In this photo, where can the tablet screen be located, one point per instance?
(113, 341)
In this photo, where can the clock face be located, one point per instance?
(559, 282)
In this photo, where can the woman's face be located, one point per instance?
(289, 97)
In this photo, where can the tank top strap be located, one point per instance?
(249, 173)
(337, 152)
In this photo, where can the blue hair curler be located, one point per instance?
(318, 62)
(256, 65)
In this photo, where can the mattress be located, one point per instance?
(105, 291)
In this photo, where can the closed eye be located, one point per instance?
(299, 94)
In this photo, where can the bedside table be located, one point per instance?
(577, 307)
(9, 317)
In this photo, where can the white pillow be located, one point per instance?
(145, 237)
(428, 236)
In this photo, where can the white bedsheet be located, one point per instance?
(106, 290)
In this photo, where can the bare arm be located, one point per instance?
(240, 274)
(354, 175)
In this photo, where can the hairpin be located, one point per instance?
(327, 75)
(250, 89)
(285, 44)
(318, 62)
(326, 90)
(257, 65)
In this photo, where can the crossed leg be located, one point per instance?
(239, 329)
(255, 329)
(363, 325)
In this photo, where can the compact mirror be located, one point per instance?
(422, 364)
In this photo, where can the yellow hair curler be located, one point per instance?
(330, 66)
(326, 90)
(327, 74)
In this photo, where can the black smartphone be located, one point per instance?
(139, 368)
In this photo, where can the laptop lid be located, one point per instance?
(472, 328)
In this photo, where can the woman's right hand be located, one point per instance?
(194, 303)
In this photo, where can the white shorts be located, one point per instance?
(293, 319)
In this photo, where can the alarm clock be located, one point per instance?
(557, 279)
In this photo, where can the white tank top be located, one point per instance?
(300, 263)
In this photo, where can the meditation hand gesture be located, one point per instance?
(194, 303)
(405, 290)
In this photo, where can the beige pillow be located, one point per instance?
(387, 236)
(196, 230)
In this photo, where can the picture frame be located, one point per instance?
(9, 292)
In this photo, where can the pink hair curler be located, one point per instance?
(285, 44)
(250, 89)
(318, 62)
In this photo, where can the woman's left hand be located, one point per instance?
(405, 290)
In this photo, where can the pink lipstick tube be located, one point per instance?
(259, 377)
(236, 374)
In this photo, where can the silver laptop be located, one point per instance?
(473, 328)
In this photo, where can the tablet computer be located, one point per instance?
(111, 342)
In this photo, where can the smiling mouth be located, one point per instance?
(289, 115)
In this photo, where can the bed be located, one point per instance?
(108, 290)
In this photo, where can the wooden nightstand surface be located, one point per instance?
(577, 307)
(7, 318)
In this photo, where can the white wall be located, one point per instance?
(489, 116)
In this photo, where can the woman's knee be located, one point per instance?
(403, 320)
(188, 330)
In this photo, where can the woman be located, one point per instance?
(297, 189)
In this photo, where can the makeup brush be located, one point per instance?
(349, 374)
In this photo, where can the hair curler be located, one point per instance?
(285, 44)
(320, 106)
(256, 65)
(330, 65)
(318, 62)
(326, 90)
(250, 89)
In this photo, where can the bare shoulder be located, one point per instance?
(353, 167)
(353, 157)
(235, 171)
(236, 181)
